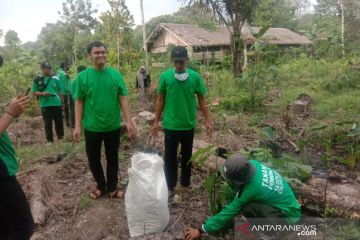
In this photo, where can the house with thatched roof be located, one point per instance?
(215, 42)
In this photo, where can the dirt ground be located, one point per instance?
(72, 215)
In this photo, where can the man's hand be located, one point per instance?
(45, 94)
(155, 128)
(192, 234)
(18, 105)
(76, 134)
(130, 129)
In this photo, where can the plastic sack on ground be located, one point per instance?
(146, 198)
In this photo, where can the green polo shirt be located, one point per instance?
(100, 91)
(267, 187)
(53, 87)
(180, 101)
(65, 82)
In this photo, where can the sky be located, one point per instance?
(28, 17)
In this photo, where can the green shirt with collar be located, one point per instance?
(53, 87)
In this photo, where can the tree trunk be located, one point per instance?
(118, 48)
(342, 196)
(144, 34)
(342, 27)
(75, 46)
(245, 57)
(237, 45)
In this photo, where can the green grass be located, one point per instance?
(332, 85)
(85, 202)
(28, 155)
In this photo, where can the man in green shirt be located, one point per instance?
(48, 89)
(79, 69)
(66, 91)
(100, 94)
(262, 194)
(177, 92)
(16, 221)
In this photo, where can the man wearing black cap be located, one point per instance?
(48, 89)
(66, 87)
(262, 194)
(16, 221)
(177, 89)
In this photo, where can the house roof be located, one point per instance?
(194, 35)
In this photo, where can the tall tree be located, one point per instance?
(78, 15)
(12, 39)
(335, 9)
(12, 45)
(352, 26)
(328, 7)
(144, 32)
(117, 23)
(233, 13)
(56, 41)
(275, 13)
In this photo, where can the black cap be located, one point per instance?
(237, 169)
(179, 53)
(45, 65)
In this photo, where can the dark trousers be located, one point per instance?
(51, 114)
(260, 213)
(16, 221)
(93, 142)
(69, 111)
(172, 140)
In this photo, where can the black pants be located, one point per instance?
(51, 114)
(172, 140)
(69, 111)
(260, 213)
(93, 142)
(16, 221)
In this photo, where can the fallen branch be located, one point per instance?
(288, 139)
(339, 196)
(176, 220)
(39, 193)
(26, 172)
(297, 149)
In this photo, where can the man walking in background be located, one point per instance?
(100, 93)
(177, 89)
(142, 84)
(66, 88)
(48, 89)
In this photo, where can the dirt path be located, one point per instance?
(71, 214)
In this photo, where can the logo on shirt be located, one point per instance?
(271, 180)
